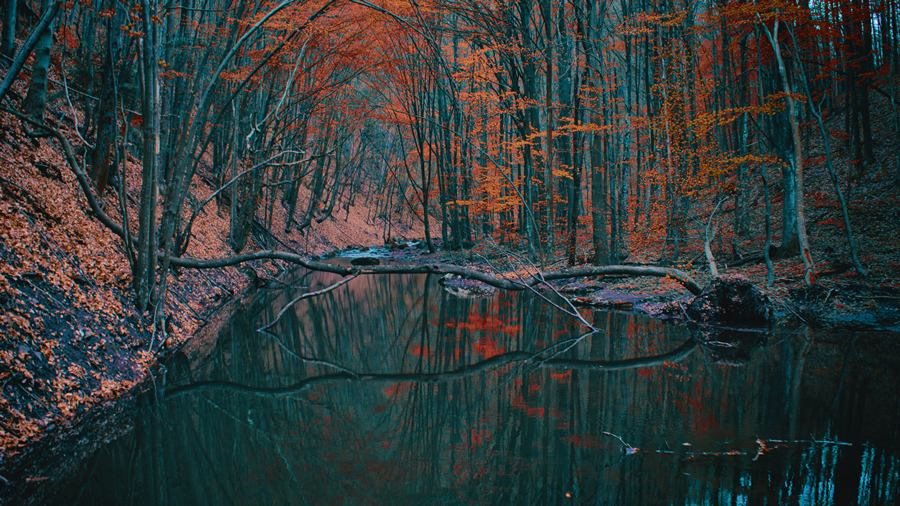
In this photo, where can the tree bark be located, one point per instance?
(516, 283)
(8, 36)
(145, 267)
(770, 271)
(797, 162)
(36, 98)
(105, 157)
(599, 211)
(42, 27)
(816, 110)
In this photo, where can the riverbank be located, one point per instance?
(72, 344)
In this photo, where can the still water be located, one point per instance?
(389, 390)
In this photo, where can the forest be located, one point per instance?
(159, 157)
(561, 130)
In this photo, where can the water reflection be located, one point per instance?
(391, 391)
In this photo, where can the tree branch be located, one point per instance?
(466, 272)
(27, 48)
(304, 296)
(76, 169)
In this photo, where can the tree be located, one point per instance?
(796, 161)
(8, 35)
(36, 98)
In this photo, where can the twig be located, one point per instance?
(568, 343)
(306, 296)
(683, 311)
(62, 62)
(628, 448)
(184, 303)
(308, 359)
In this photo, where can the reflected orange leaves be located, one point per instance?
(561, 376)
(519, 403)
(397, 389)
(481, 323)
(421, 351)
(487, 348)
(479, 437)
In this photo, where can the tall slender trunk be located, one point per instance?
(8, 36)
(548, 105)
(816, 110)
(145, 275)
(104, 162)
(36, 98)
(599, 204)
(797, 162)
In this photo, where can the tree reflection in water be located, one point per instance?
(389, 390)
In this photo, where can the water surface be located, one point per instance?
(389, 390)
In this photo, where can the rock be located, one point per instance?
(466, 288)
(448, 278)
(365, 261)
(732, 300)
(581, 287)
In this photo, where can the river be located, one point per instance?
(389, 390)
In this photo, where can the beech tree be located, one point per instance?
(568, 130)
(8, 33)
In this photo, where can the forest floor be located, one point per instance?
(72, 345)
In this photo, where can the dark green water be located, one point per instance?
(389, 390)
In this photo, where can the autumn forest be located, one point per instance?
(565, 129)
(204, 135)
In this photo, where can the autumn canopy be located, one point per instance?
(577, 130)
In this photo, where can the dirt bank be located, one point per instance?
(71, 342)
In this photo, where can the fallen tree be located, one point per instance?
(511, 281)
(507, 282)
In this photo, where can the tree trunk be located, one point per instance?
(87, 63)
(145, 275)
(105, 157)
(770, 271)
(42, 27)
(36, 98)
(816, 110)
(8, 36)
(865, 83)
(796, 163)
(598, 203)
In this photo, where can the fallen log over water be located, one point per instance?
(511, 282)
